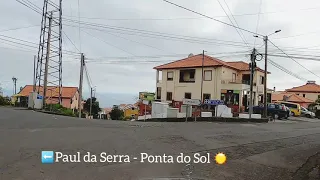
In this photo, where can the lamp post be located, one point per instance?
(265, 39)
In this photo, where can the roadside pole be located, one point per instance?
(145, 112)
(265, 114)
(252, 67)
(80, 85)
(187, 113)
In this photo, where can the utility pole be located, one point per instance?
(90, 100)
(34, 72)
(265, 113)
(45, 80)
(201, 96)
(14, 85)
(252, 68)
(80, 84)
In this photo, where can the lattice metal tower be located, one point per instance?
(48, 80)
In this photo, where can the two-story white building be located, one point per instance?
(228, 81)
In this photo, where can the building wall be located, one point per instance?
(311, 96)
(179, 89)
(75, 101)
(212, 87)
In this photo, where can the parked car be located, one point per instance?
(305, 112)
(294, 107)
(276, 111)
(288, 112)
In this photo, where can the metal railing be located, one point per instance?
(235, 81)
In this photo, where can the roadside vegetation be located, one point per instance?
(5, 101)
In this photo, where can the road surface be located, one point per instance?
(277, 150)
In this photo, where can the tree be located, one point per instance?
(318, 100)
(116, 113)
(95, 107)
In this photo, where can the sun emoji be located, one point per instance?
(220, 158)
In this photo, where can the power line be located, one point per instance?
(28, 5)
(193, 18)
(165, 55)
(118, 28)
(258, 21)
(109, 43)
(166, 37)
(29, 44)
(211, 17)
(18, 28)
(286, 70)
(314, 58)
(71, 42)
(243, 39)
(293, 59)
(79, 24)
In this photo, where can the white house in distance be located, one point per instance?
(228, 81)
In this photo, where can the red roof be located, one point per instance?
(52, 91)
(243, 66)
(311, 87)
(196, 61)
(291, 98)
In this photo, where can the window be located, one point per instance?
(304, 95)
(169, 96)
(318, 96)
(207, 75)
(158, 92)
(261, 80)
(192, 75)
(187, 76)
(170, 76)
(206, 96)
(187, 95)
(234, 76)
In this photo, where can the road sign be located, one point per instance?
(194, 102)
(213, 102)
(145, 102)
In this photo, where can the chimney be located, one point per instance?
(274, 89)
(311, 82)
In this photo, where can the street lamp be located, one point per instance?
(265, 39)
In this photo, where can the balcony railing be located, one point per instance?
(235, 81)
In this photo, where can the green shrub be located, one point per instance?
(68, 112)
(4, 101)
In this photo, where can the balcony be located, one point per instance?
(237, 84)
(237, 81)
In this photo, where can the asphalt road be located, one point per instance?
(278, 150)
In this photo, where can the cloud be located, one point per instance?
(130, 77)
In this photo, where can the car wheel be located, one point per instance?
(275, 116)
(286, 116)
(308, 115)
(291, 114)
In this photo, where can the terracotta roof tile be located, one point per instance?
(195, 61)
(291, 98)
(67, 92)
(243, 66)
(309, 87)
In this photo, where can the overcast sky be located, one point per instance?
(297, 20)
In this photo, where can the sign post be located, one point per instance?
(190, 102)
(145, 102)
